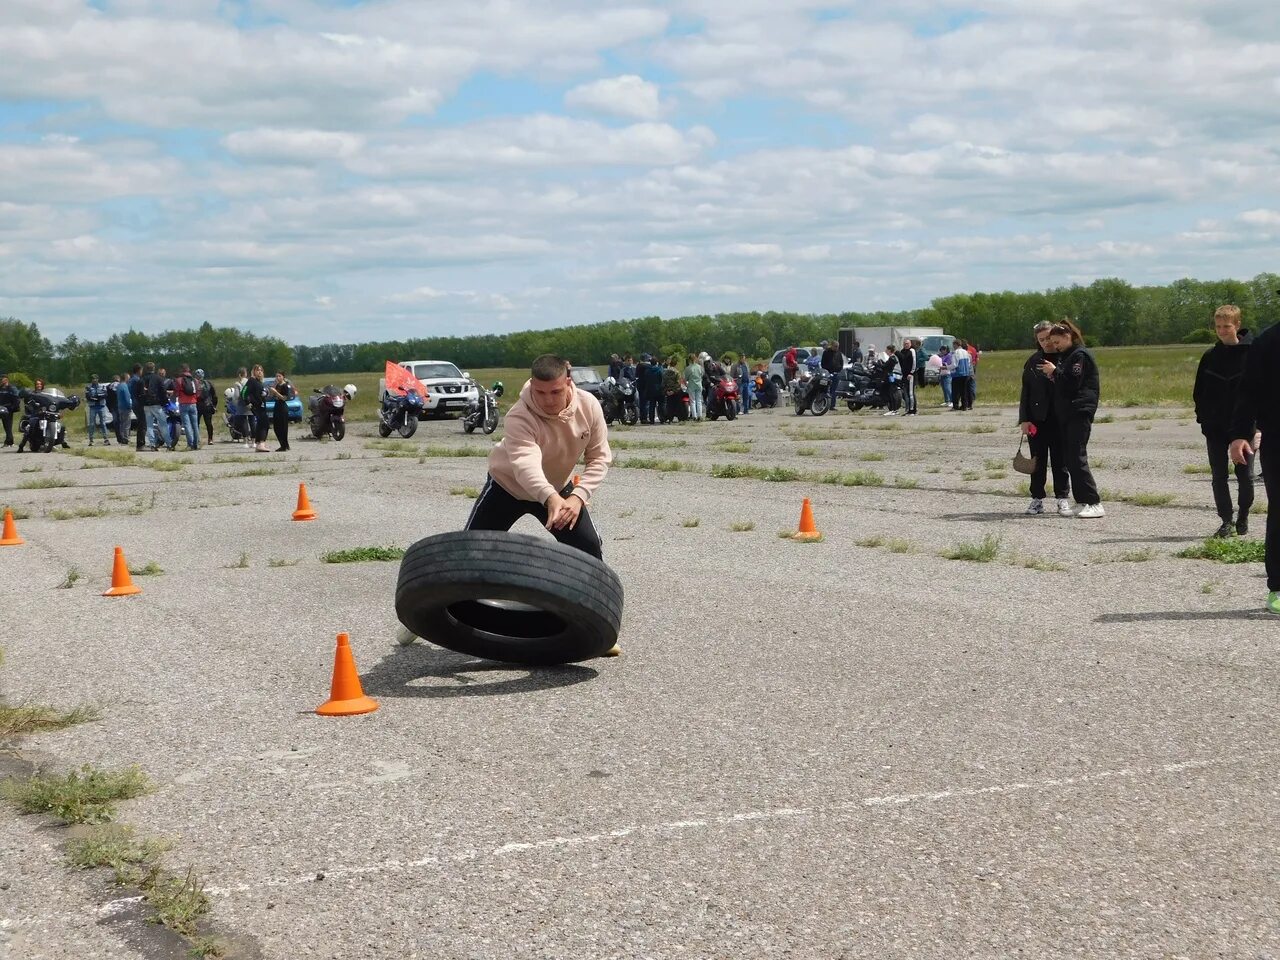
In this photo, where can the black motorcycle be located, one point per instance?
(400, 412)
(860, 387)
(618, 401)
(812, 393)
(328, 412)
(483, 411)
(41, 425)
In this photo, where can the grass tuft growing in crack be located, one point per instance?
(87, 795)
(29, 718)
(983, 552)
(362, 555)
(1226, 551)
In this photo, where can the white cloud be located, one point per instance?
(627, 96)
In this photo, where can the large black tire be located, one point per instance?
(630, 415)
(731, 413)
(409, 427)
(821, 404)
(448, 583)
(468, 425)
(854, 407)
(383, 430)
(338, 429)
(490, 423)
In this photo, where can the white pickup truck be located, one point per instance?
(449, 390)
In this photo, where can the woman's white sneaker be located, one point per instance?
(1035, 506)
(1091, 511)
(1064, 508)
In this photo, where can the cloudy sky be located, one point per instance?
(327, 170)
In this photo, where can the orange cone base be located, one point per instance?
(12, 542)
(347, 708)
(806, 535)
(304, 514)
(126, 591)
(10, 532)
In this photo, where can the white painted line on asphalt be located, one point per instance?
(780, 813)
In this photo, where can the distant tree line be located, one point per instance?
(1111, 312)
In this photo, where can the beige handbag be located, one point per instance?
(1023, 464)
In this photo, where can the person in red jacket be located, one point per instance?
(186, 388)
(791, 364)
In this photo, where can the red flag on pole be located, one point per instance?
(401, 380)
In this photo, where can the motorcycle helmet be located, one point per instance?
(349, 389)
(498, 388)
(229, 393)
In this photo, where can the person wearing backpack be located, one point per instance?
(207, 403)
(186, 386)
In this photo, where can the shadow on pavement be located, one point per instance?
(1252, 613)
(985, 517)
(422, 670)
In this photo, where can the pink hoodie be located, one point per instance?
(537, 453)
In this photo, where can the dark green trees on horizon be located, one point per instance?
(1111, 312)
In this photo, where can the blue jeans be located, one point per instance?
(98, 417)
(157, 426)
(946, 389)
(190, 414)
(744, 396)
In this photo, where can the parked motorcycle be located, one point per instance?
(483, 411)
(329, 411)
(400, 412)
(618, 401)
(722, 399)
(675, 406)
(812, 392)
(862, 387)
(41, 425)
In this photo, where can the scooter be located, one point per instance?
(812, 392)
(328, 411)
(722, 399)
(483, 411)
(400, 412)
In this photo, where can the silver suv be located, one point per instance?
(778, 369)
(449, 390)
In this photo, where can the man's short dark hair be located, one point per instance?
(137, 368)
(150, 367)
(550, 367)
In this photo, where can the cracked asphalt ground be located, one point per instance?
(806, 750)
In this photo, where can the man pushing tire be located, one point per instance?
(548, 429)
(512, 597)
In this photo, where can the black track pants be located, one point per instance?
(1217, 446)
(1075, 444)
(495, 509)
(1271, 479)
(1046, 448)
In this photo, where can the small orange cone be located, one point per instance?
(121, 582)
(10, 536)
(808, 529)
(304, 511)
(577, 480)
(346, 696)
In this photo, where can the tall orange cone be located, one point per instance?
(346, 696)
(10, 536)
(808, 529)
(121, 582)
(304, 511)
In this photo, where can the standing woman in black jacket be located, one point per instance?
(1218, 380)
(1258, 408)
(1037, 423)
(1076, 391)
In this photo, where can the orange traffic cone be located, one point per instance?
(346, 696)
(10, 536)
(121, 582)
(808, 529)
(304, 511)
(577, 480)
